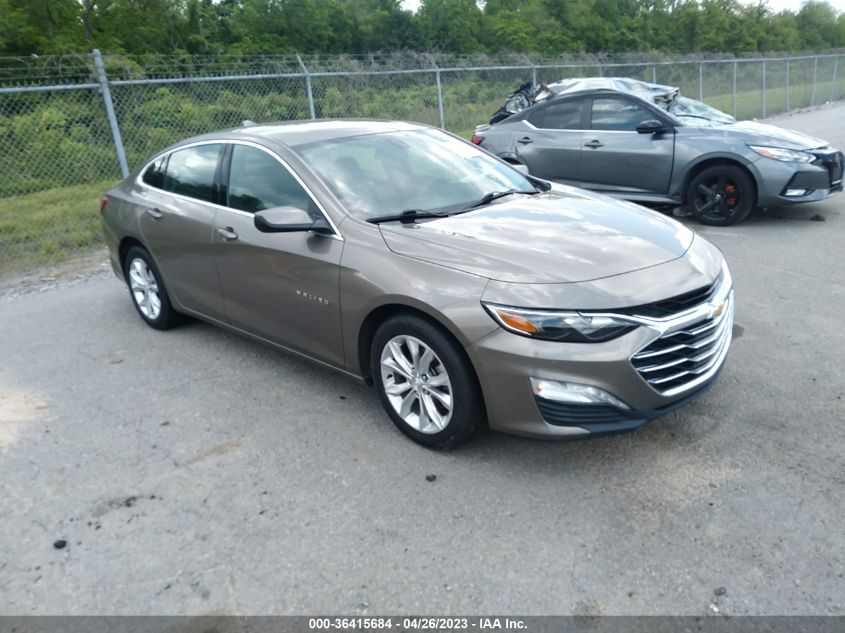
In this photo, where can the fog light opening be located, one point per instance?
(574, 393)
(796, 192)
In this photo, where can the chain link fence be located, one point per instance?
(72, 126)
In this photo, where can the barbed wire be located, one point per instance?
(78, 68)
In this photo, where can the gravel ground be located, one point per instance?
(195, 472)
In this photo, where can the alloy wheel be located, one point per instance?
(144, 287)
(416, 384)
(718, 198)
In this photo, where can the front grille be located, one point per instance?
(677, 360)
(833, 162)
(568, 414)
(674, 305)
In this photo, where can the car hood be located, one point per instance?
(552, 237)
(755, 133)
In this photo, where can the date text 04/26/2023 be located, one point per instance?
(416, 624)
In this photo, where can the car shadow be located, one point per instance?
(766, 217)
(673, 436)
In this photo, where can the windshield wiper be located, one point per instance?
(408, 216)
(495, 195)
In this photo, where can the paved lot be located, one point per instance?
(196, 472)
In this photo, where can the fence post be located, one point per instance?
(115, 130)
(833, 79)
(764, 88)
(533, 75)
(787, 85)
(733, 91)
(440, 99)
(308, 90)
(815, 69)
(654, 73)
(701, 81)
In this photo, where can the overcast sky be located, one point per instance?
(776, 5)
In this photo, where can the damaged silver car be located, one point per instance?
(667, 97)
(645, 143)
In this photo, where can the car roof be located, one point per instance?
(294, 133)
(586, 92)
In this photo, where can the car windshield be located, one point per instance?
(685, 107)
(425, 170)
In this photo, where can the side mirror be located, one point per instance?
(289, 220)
(522, 169)
(652, 126)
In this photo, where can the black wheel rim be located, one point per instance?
(718, 198)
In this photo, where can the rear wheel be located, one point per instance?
(425, 382)
(147, 290)
(721, 195)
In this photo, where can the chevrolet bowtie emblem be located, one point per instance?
(716, 311)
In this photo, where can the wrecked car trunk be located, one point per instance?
(523, 97)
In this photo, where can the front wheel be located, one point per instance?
(425, 382)
(721, 195)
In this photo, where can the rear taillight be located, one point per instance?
(477, 140)
(103, 202)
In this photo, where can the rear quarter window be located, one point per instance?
(154, 174)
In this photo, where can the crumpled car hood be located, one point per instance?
(553, 237)
(763, 134)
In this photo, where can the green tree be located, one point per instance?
(507, 31)
(816, 23)
(780, 33)
(548, 27)
(39, 26)
(451, 25)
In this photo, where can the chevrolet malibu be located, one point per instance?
(469, 293)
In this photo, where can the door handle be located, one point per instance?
(594, 143)
(155, 214)
(228, 234)
(525, 140)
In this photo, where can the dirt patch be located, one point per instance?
(118, 503)
(82, 266)
(17, 408)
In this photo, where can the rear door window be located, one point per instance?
(190, 172)
(566, 115)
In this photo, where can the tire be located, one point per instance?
(445, 370)
(721, 195)
(147, 290)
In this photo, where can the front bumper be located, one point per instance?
(783, 184)
(595, 420)
(506, 363)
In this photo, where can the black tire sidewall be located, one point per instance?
(166, 317)
(735, 174)
(467, 403)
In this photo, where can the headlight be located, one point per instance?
(783, 155)
(567, 327)
(727, 280)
